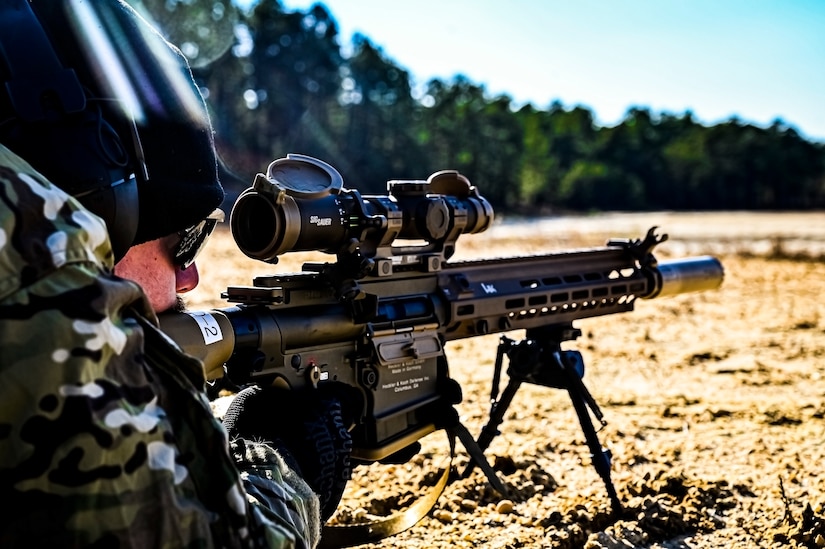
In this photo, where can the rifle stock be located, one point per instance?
(377, 320)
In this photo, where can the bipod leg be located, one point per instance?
(477, 457)
(490, 430)
(600, 456)
(448, 420)
(498, 405)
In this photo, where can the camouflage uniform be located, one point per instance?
(106, 437)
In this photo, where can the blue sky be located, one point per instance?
(755, 59)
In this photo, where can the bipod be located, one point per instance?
(538, 359)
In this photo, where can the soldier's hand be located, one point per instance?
(309, 428)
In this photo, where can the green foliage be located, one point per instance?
(281, 81)
(596, 185)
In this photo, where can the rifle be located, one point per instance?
(377, 319)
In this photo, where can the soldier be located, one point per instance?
(108, 189)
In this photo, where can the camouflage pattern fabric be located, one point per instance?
(106, 437)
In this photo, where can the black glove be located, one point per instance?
(308, 428)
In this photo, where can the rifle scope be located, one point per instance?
(301, 205)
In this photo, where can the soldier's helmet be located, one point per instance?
(97, 101)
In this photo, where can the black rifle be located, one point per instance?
(377, 319)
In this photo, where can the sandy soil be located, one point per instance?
(715, 403)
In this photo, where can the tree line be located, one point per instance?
(286, 84)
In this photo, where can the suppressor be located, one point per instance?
(692, 274)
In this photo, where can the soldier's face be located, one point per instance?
(150, 265)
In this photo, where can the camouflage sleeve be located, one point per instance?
(105, 435)
(278, 494)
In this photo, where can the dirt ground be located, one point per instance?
(715, 402)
